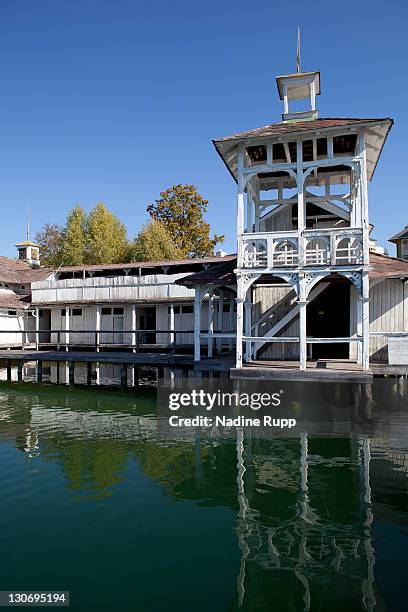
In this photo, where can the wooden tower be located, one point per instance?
(302, 210)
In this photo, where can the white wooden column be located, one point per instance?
(231, 320)
(364, 197)
(257, 217)
(240, 202)
(240, 318)
(197, 323)
(210, 323)
(302, 324)
(249, 214)
(37, 327)
(359, 326)
(66, 328)
(133, 329)
(98, 327)
(220, 318)
(248, 325)
(366, 320)
(300, 201)
(171, 324)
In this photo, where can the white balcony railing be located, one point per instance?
(334, 247)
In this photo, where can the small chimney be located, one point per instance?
(220, 253)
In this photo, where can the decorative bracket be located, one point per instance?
(355, 278)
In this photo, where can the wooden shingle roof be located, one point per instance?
(402, 234)
(376, 131)
(294, 127)
(20, 272)
(12, 301)
(382, 266)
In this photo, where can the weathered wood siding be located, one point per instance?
(280, 221)
(388, 313)
(280, 299)
(105, 289)
(87, 322)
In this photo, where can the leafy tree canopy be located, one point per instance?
(106, 239)
(74, 246)
(95, 238)
(181, 209)
(50, 238)
(153, 243)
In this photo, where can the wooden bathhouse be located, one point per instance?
(307, 289)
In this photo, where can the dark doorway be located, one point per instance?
(328, 316)
(147, 320)
(44, 326)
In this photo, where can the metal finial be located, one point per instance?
(298, 68)
(28, 222)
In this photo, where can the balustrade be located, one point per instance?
(342, 247)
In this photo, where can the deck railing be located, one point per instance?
(333, 247)
(63, 339)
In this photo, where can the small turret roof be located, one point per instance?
(27, 243)
(402, 234)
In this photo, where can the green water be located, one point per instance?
(92, 502)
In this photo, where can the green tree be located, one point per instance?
(105, 236)
(73, 252)
(153, 243)
(181, 209)
(50, 238)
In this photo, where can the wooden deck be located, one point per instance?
(144, 359)
(320, 370)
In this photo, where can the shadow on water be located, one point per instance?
(94, 502)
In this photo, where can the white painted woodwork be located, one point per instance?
(220, 317)
(210, 323)
(171, 323)
(398, 350)
(197, 324)
(16, 327)
(110, 290)
(365, 321)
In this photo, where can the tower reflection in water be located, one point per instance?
(307, 509)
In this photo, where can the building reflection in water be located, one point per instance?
(305, 510)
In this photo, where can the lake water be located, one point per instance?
(93, 502)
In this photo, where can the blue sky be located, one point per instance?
(118, 100)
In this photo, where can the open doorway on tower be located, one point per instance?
(328, 316)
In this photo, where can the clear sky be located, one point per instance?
(116, 100)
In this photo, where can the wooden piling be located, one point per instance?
(136, 376)
(8, 370)
(58, 372)
(123, 377)
(39, 370)
(71, 369)
(20, 370)
(89, 373)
